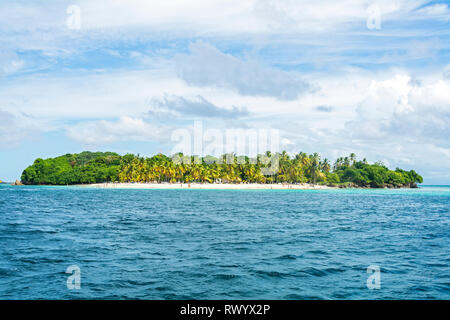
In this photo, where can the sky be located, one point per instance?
(333, 77)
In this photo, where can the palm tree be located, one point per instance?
(314, 166)
(302, 168)
(353, 158)
(326, 165)
(347, 162)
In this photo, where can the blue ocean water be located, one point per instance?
(212, 244)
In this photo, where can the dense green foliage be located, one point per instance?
(88, 167)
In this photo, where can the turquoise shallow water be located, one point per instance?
(211, 244)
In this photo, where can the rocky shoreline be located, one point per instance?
(351, 185)
(17, 183)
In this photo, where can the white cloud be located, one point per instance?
(438, 9)
(446, 72)
(207, 66)
(399, 108)
(96, 95)
(245, 16)
(14, 128)
(124, 129)
(209, 17)
(9, 62)
(195, 107)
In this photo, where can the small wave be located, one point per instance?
(163, 288)
(225, 276)
(295, 296)
(28, 260)
(134, 283)
(288, 257)
(420, 288)
(8, 272)
(315, 272)
(38, 231)
(272, 274)
(437, 265)
(334, 270)
(318, 252)
(40, 260)
(227, 265)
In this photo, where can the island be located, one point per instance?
(269, 171)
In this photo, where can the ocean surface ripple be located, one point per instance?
(224, 244)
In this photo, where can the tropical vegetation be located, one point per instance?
(99, 167)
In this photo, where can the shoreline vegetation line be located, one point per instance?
(266, 171)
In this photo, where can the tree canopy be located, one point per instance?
(99, 167)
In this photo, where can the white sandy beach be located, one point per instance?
(218, 186)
